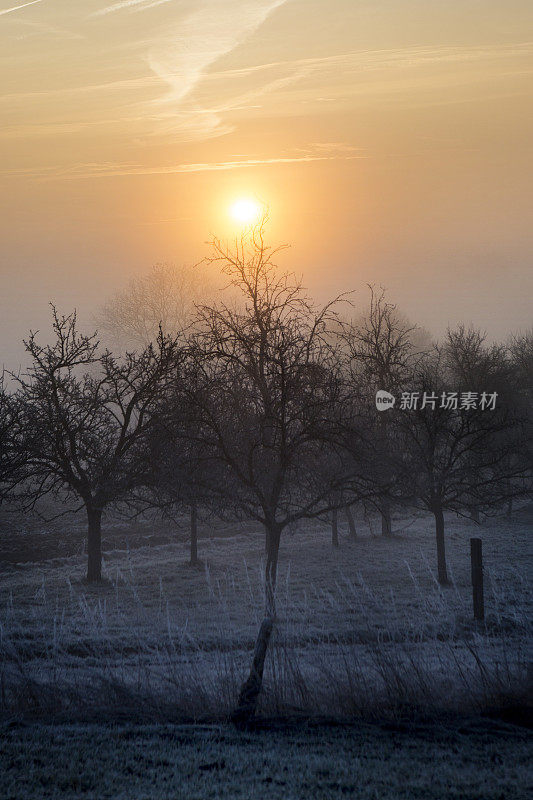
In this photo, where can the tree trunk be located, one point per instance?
(474, 513)
(351, 523)
(335, 528)
(194, 534)
(441, 550)
(271, 569)
(386, 525)
(251, 688)
(94, 545)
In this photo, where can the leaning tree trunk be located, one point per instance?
(194, 534)
(335, 528)
(94, 545)
(441, 550)
(386, 525)
(351, 523)
(251, 688)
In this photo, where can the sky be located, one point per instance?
(392, 141)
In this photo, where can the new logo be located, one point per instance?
(384, 400)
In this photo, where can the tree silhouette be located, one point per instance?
(84, 417)
(267, 390)
(456, 453)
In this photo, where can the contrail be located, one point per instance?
(16, 8)
(126, 4)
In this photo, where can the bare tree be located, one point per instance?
(165, 298)
(12, 454)
(471, 362)
(521, 354)
(83, 421)
(382, 347)
(351, 522)
(179, 474)
(5, 444)
(468, 359)
(455, 455)
(335, 527)
(520, 350)
(265, 396)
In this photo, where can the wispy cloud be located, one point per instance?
(103, 170)
(180, 59)
(187, 94)
(204, 36)
(319, 152)
(16, 8)
(36, 29)
(362, 61)
(41, 130)
(260, 162)
(200, 100)
(133, 5)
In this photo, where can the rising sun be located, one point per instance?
(245, 211)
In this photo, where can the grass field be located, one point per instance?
(365, 635)
(470, 761)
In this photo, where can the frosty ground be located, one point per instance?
(97, 682)
(376, 762)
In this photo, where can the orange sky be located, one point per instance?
(392, 140)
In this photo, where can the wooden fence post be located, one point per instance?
(194, 534)
(476, 559)
(335, 528)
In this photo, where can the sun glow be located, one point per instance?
(245, 211)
